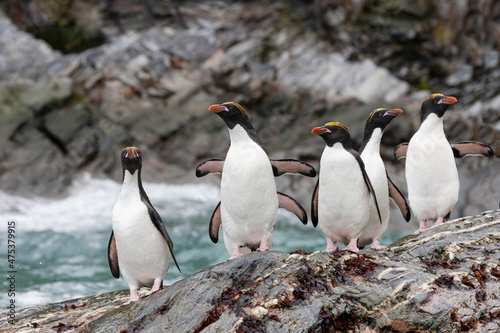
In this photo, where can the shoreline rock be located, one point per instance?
(150, 82)
(446, 278)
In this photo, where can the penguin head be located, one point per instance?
(131, 159)
(232, 113)
(380, 118)
(437, 104)
(334, 132)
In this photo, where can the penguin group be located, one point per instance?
(350, 202)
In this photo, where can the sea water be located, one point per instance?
(61, 245)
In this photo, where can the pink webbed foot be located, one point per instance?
(423, 227)
(330, 247)
(156, 286)
(263, 246)
(375, 245)
(352, 246)
(236, 253)
(439, 221)
(134, 295)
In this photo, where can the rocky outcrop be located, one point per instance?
(446, 279)
(294, 65)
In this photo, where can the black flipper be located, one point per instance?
(471, 148)
(158, 223)
(215, 223)
(399, 199)
(400, 151)
(214, 165)
(314, 205)
(368, 184)
(113, 257)
(291, 205)
(280, 167)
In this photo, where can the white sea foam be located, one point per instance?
(90, 203)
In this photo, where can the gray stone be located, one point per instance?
(21, 53)
(462, 75)
(152, 80)
(416, 284)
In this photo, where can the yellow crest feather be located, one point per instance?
(432, 96)
(373, 113)
(345, 128)
(134, 147)
(238, 106)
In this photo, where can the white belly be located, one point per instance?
(249, 203)
(143, 254)
(343, 198)
(431, 176)
(376, 172)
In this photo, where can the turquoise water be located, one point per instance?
(61, 245)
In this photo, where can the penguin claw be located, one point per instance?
(351, 249)
(352, 246)
(156, 286)
(134, 296)
(420, 231)
(376, 246)
(423, 227)
(263, 247)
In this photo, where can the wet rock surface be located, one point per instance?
(446, 279)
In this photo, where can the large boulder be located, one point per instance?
(445, 279)
(293, 65)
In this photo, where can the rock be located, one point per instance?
(445, 279)
(491, 59)
(334, 79)
(21, 53)
(144, 88)
(293, 65)
(462, 75)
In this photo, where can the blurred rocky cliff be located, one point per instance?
(81, 79)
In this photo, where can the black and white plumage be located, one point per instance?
(139, 247)
(249, 201)
(382, 185)
(341, 199)
(431, 172)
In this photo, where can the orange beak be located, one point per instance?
(394, 112)
(132, 153)
(319, 130)
(448, 100)
(217, 108)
